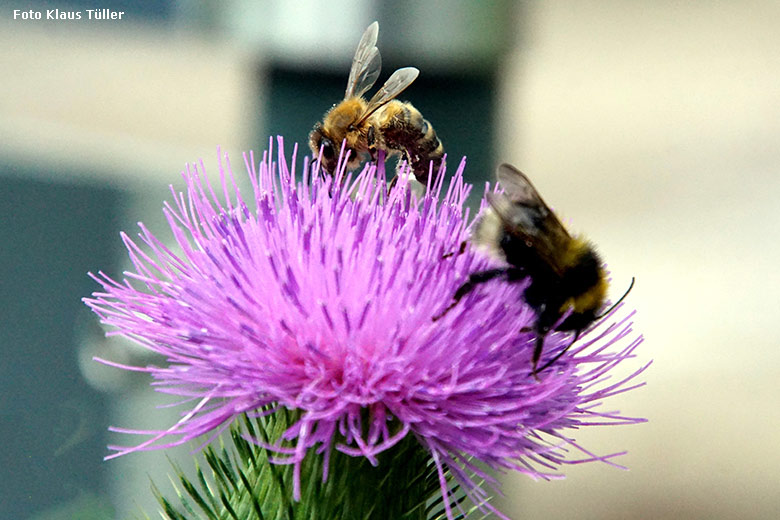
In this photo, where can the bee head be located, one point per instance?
(320, 141)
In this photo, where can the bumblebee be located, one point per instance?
(567, 284)
(381, 123)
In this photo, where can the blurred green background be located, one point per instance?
(653, 126)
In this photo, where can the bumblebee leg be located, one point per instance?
(556, 358)
(461, 250)
(469, 285)
(540, 335)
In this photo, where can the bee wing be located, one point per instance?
(524, 213)
(518, 187)
(394, 85)
(365, 65)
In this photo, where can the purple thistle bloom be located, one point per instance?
(318, 295)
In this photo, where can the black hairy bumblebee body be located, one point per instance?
(567, 283)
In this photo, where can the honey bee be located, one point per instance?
(381, 123)
(567, 284)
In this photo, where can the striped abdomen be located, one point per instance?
(403, 128)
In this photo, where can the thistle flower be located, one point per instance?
(317, 295)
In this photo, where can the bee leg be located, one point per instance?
(398, 166)
(538, 352)
(371, 141)
(461, 250)
(469, 285)
(540, 335)
(392, 183)
(397, 175)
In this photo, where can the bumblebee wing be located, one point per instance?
(525, 215)
(518, 187)
(394, 85)
(520, 192)
(365, 65)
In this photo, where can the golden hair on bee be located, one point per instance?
(381, 123)
(567, 283)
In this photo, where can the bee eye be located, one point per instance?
(327, 148)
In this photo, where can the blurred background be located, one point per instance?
(652, 126)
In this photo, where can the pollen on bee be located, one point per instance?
(344, 114)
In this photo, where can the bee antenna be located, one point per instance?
(612, 307)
